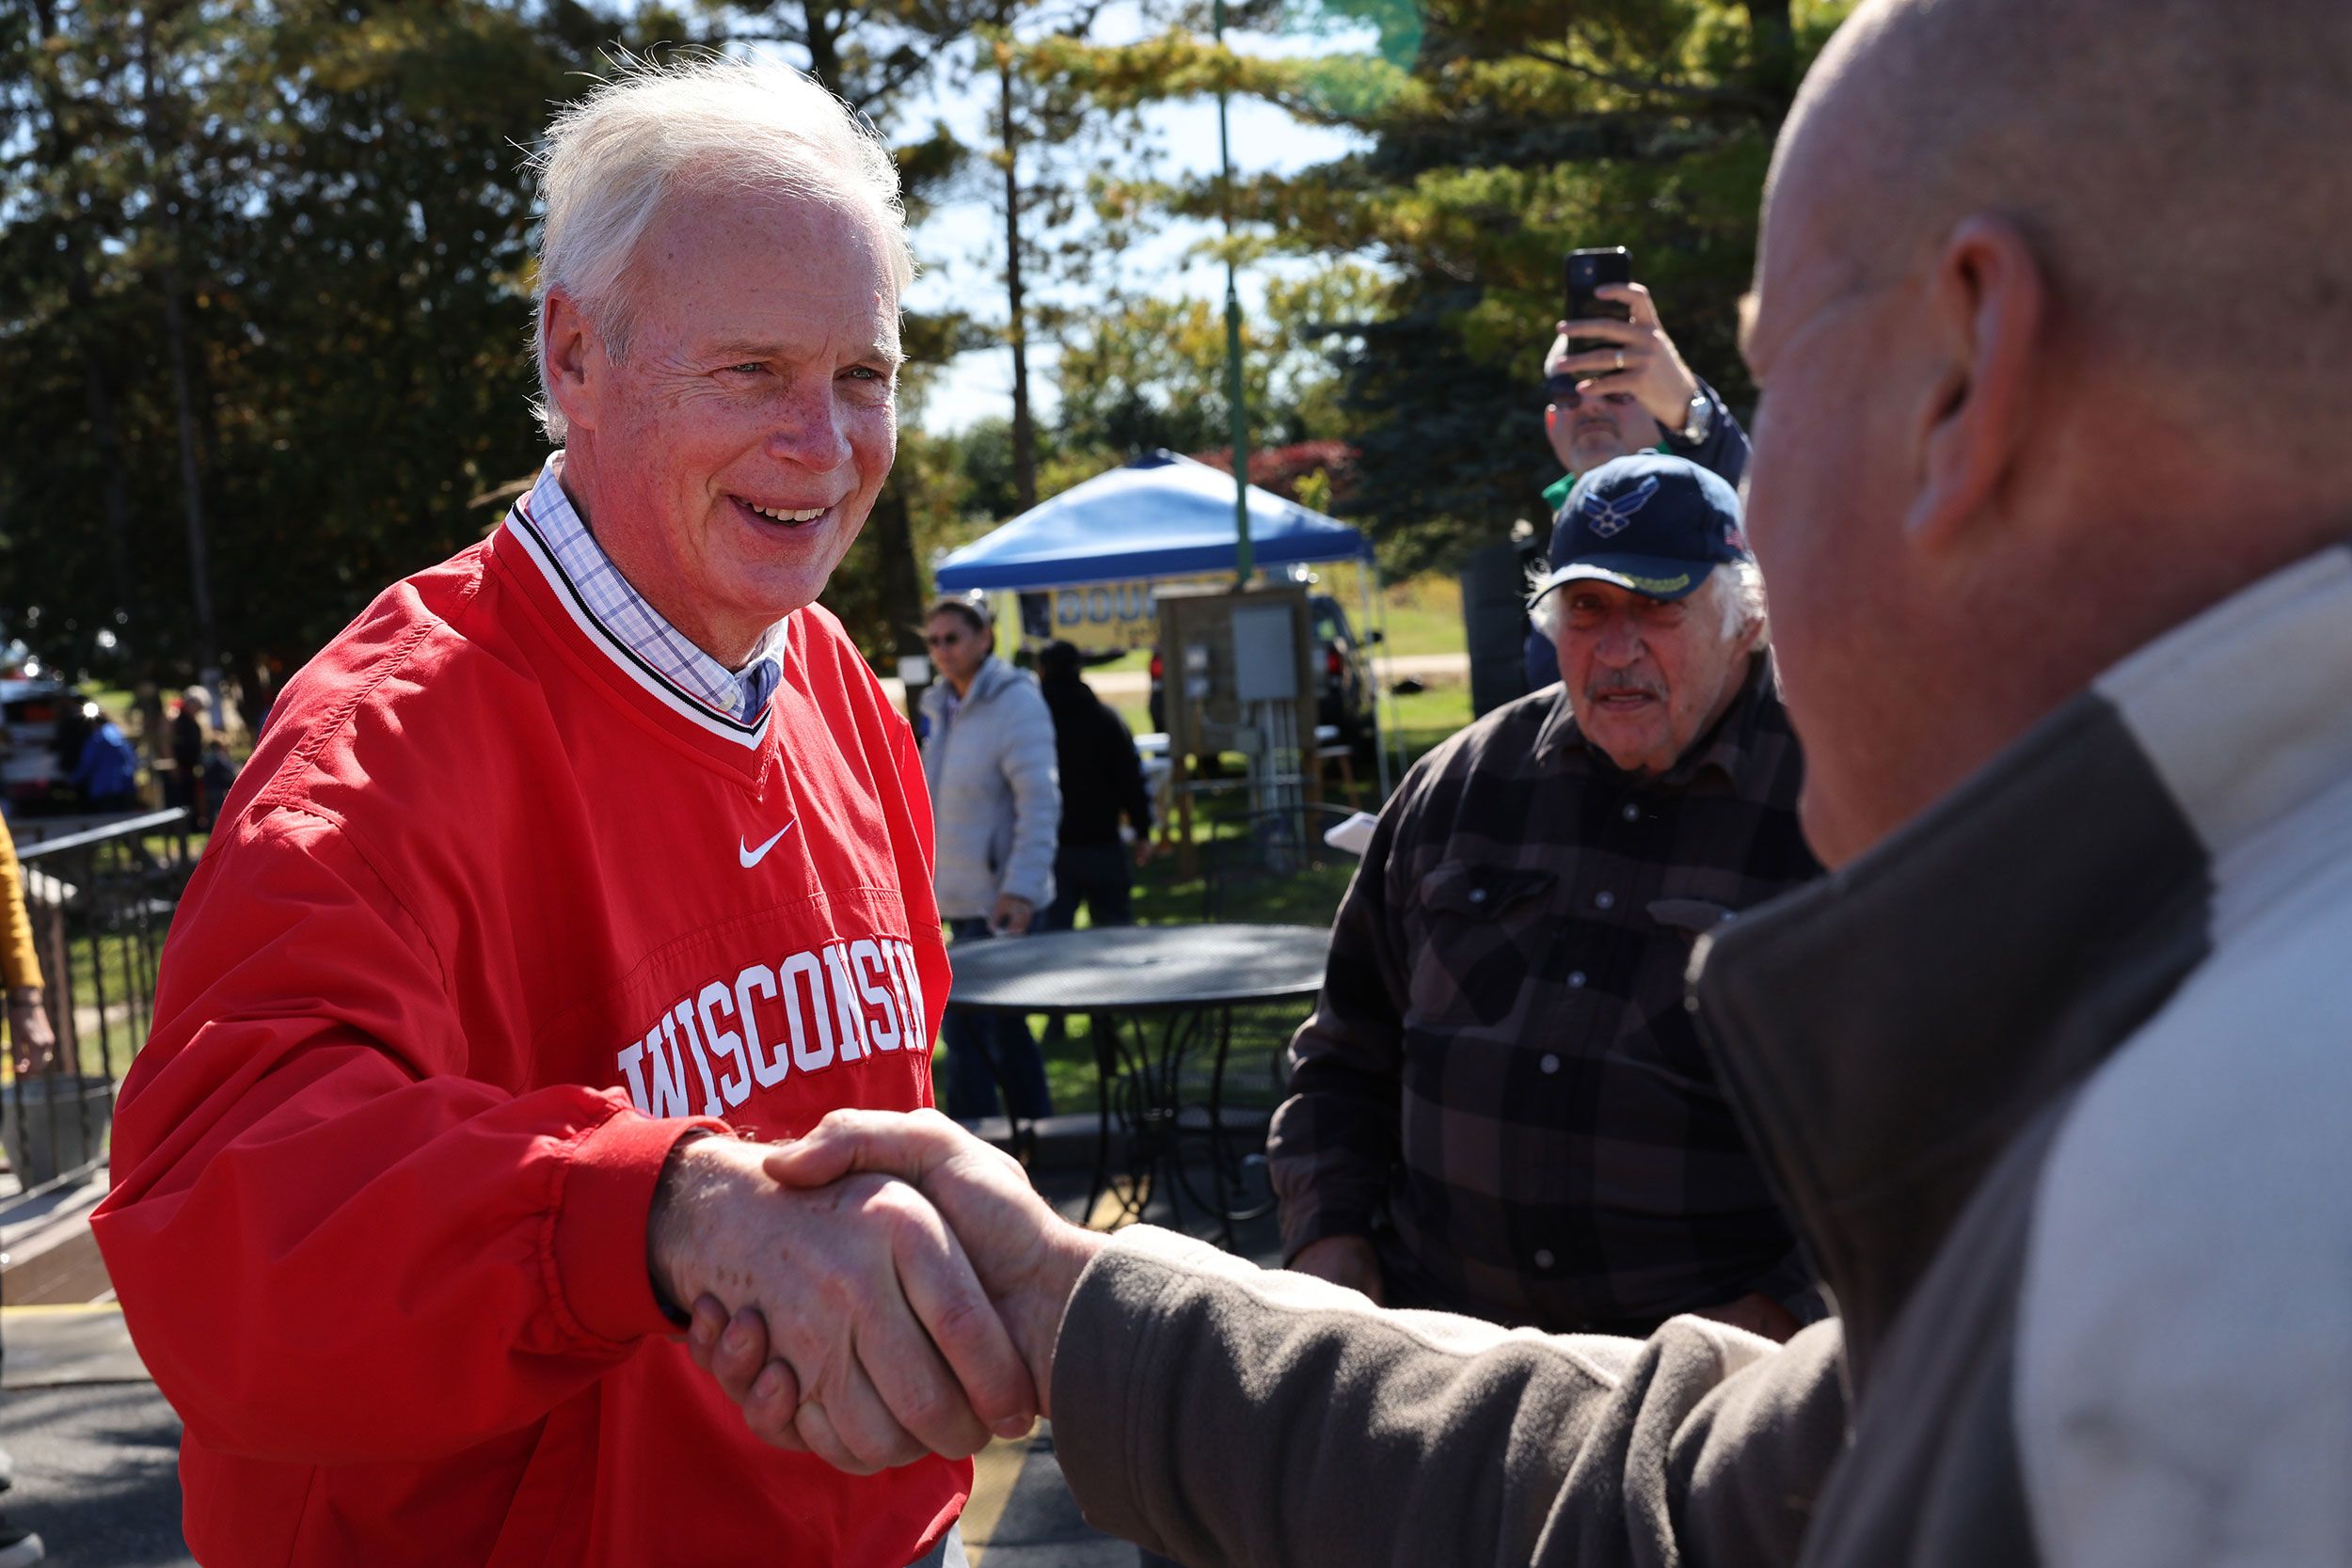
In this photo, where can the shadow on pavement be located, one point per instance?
(97, 1474)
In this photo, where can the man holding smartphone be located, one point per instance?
(1617, 387)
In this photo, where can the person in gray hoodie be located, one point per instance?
(988, 752)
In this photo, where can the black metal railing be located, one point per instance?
(101, 900)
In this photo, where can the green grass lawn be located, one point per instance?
(1428, 716)
(1424, 615)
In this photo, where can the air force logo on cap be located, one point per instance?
(1607, 516)
(1653, 524)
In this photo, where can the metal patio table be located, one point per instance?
(1169, 994)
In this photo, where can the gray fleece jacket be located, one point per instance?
(995, 790)
(2053, 1084)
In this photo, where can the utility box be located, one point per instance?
(1238, 678)
(1266, 646)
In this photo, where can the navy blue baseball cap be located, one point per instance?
(1652, 523)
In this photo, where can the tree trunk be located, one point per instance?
(903, 579)
(114, 489)
(254, 691)
(191, 486)
(1016, 318)
(1776, 55)
(176, 348)
(823, 33)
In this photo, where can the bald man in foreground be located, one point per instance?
(2052, 1069)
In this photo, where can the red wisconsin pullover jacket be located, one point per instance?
(493, 916)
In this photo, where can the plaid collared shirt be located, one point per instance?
(644, 630)
(1501, 1084)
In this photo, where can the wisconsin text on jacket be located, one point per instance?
(816, 1009)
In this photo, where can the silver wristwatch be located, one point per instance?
(1700, 423)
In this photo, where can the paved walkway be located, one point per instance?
(97, 1459)
(96, 1471)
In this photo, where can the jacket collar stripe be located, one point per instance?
(525, 533)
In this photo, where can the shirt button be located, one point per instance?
(1543, 1258)
(1632, 811)
(1550, 1063)
(1478, 896)
(1576, 979)
(1604, 899)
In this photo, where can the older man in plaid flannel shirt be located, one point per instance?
(1500, 1106)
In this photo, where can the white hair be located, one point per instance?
(613, 157)
(1736, 589)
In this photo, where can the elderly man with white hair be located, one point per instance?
(1500, 1106)
(578, 866)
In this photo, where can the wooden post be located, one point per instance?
(57, 996)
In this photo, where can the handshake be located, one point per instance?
(887, 1286)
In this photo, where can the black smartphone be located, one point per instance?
(1587, 271)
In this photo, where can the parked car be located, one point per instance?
(29, 762)
(1342, 665)
(1347, 694)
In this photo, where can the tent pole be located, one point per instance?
(1376, 613)
(1236, 395)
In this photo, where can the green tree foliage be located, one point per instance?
(332, 193)
(1501, 133)
(1145, 371)
(1049, 141)
(1150, 372)
(872, 54)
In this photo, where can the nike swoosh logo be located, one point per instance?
(752, 857)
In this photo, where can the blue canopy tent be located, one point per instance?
(1160, 516)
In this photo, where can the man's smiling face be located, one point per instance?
(728, 460)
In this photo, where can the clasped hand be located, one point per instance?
(887, 1286)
